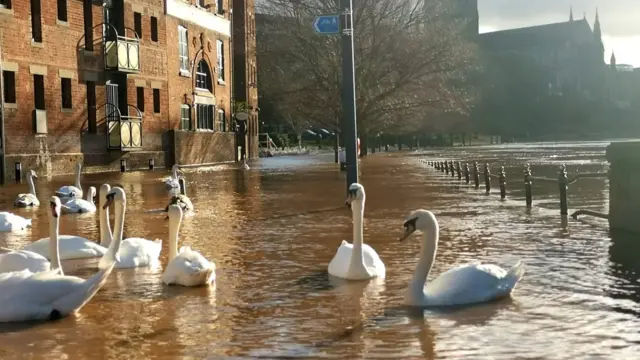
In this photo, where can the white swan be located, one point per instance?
(50, 295)
(13, 222)
(187, 267)
(172, 181)
(70, 247)
(464, 285)
(70, 191)
(244, 165)
(81, 206)
(356, 261)
(19, 260)
(134, 252)
(30, 198)
(181, 200)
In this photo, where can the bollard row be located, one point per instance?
(465, 171)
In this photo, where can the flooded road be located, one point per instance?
(273, 298)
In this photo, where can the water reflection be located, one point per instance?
(272, 244)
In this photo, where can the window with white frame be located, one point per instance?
(203, 76)
(204, 116)
(185, 117)
(183, 48)
(220, 7)
(220, 69)
(222, 121)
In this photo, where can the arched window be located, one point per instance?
(203, 76)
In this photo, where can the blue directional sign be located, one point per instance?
(327, 24)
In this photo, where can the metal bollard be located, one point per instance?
(446, 167)
(443, 166)
(123, 165)
(503, 183)
(466, 173)
(152, 164)
(18, 171)
(476, 175)
(437, 165)
(527, 185)
(452, 168)
(458, 170)
(487, 178)
(563, 184)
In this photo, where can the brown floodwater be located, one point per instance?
(273, 230)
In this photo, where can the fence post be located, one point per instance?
(503, 183)
(476, 175)
(466, 173)
(452, 168)
(487, 178)
(563, 184)
(18, 171)
(459, 170)
(445, 167)
(123, 165)
(436, 165)
(527, 185)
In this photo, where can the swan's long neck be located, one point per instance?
(105, 228)
(175, 172)
(110, 256)
(54, 249)
(78, 170)
(90, 197)
(32, 187)
(358, 227)
(427, 256)
(174, 228)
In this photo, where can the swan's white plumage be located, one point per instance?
(71, 247)
(189, 268)
(13, 222)
(463, 285)
(171, 182)
(30, 198)
(356, 261)
(72, 191)
(339, 265)
(138, 252)
(27, 296)
(134, 252)
(19, 260)
(186, 267)
(76, 205)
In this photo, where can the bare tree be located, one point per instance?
(412, 61)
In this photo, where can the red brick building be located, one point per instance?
(245, 84)
(97, 83)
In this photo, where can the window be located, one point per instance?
(62, 10)
(36, 21)
(38, 91)
(203, 76)
(5, 4)
(140, 98)
(91, 107)
(137, 23)
(185, 117)
(154, 29)
(200, 3)
(183, 48)
(65, 90)
(156, 101)
(204, 115)
(222, 121)
(220, 7)
(9, 85)
(220, 48)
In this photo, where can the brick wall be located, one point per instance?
(202, 147)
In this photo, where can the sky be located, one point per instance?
(619, 20)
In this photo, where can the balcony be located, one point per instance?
(124, 133)
(121, 53)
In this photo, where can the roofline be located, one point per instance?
(536, 26)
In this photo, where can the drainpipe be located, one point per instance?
(2, 115)
(232, 114)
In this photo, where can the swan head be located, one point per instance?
(104, 190)
(91, 193)
(418, 220)
(33, 174)
(355, 193)
(116, 194)
(174, 213)
(56, 206)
